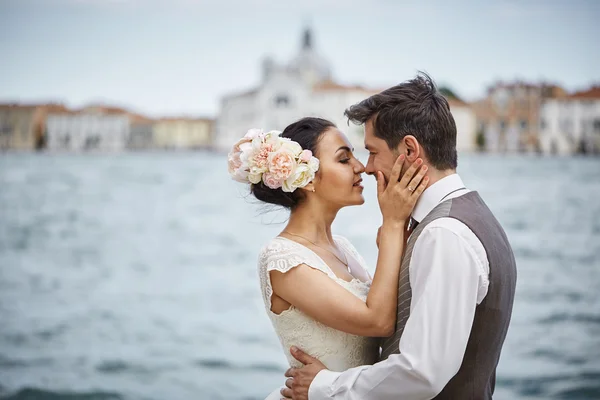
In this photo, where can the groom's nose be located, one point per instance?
(370, 169)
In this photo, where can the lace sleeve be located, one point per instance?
(349, 247)
(283, 255)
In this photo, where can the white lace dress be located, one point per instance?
(338, 350)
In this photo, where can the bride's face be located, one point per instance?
(338, 180)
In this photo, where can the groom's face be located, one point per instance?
(381, 158)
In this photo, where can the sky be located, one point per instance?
(179, 57)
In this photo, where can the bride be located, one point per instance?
(316, 288)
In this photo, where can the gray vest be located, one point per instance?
(476, 377)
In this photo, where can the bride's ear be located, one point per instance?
(310, 187)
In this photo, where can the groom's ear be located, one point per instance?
(413, 149)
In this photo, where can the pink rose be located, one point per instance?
(261, 158)
(253, 133)
(281, 164)
(305, 155)
(271, 181)
(233, 161)
(235, 165)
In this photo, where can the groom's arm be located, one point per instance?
(446, 276)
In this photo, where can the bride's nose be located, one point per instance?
(359, 167)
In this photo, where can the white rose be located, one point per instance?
(255, 176)
(247, 155)
(301, 177)
(313, 164)
(257, 143)
(292, 147)
(272, 138)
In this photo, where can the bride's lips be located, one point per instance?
(358, 184)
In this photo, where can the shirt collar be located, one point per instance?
(433, 195)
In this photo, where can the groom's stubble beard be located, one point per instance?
(386, 168)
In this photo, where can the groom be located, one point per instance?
(458, 276)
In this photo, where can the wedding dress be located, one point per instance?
(338, 350)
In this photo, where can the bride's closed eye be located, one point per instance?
(345, 157)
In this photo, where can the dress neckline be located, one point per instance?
(344, 249)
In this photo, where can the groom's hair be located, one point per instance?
(417, 108)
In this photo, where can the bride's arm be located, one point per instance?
(315, 294)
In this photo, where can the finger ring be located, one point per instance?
(411, 189)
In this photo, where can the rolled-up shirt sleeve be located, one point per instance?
(446, 277)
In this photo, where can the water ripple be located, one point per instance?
(41, 394)
(580, 318)
(134, 276)
(216, 364)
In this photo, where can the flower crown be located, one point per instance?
(278, 162)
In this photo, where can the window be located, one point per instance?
(566, 125)
(523, 124)
(501, 98)
(5, 129)
(282, 101)
(502, 124)
(91, 142)
(543, 124)
(523, 102)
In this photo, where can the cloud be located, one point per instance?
(513, 9)
(232, 6)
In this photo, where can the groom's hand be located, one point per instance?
(300, 378)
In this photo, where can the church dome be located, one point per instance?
(311, 66)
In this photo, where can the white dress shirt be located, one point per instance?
(449, 276)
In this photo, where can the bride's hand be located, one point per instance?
(398, 198)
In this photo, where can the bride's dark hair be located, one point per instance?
(306, 132)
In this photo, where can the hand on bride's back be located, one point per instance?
(398, 197)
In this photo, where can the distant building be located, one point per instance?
(141, 135)
(466, 125)
(288, 92)
(507, 119)
(96, 128)
(22, 127)
(329, 100)
(87, 130)
(571, 124)
(305, 87)
(182, 133)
